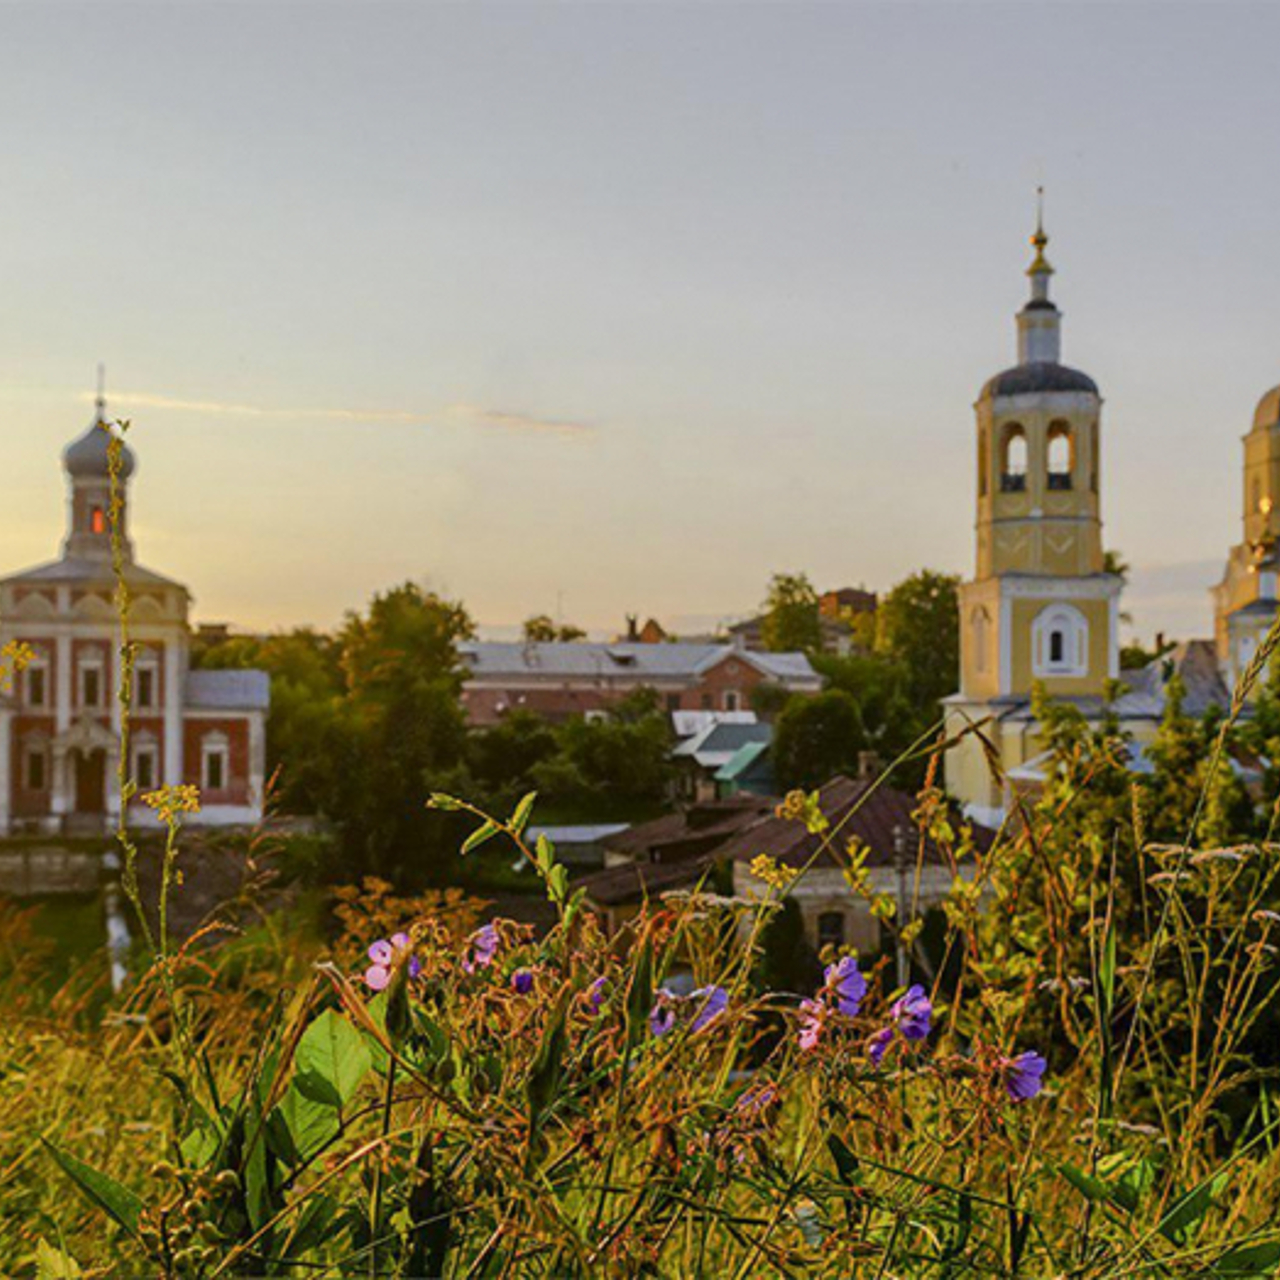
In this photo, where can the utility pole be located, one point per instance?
(900, 870)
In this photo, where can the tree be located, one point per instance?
(816, 738)
(918, 626)
(503, 758)
(791, 620)
(542, 629)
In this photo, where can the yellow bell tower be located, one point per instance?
(1041, 607)
(1245, 600)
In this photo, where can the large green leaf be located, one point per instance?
(1250, 1261)
(332, 1060)
(300, 1125)
(121, 1203)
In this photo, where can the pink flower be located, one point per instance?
(385, 954)
(813, 1015)
(482, 947)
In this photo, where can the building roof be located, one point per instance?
(680, 835)
(578, 832)
(635, 881)
(230, 690)
(1038, 376)
(89, 570)
(753, 758)
(854, 808)
(689, 724)
(636, 662)
(717, 744)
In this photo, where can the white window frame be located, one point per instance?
(41, 665)
(732, 700)
(145, 744)
(1074, 627)
(83, 668)
(211, 745)
(152, 668)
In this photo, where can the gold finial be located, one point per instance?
(1040, 266)
(101, 401)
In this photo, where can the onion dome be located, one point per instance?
(1267, 414)
(87, 456)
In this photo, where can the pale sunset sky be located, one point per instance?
(610, 308)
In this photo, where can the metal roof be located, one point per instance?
(582, 659)
(230, 690)
(86, 569)
(1038, 376)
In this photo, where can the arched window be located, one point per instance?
(98, 520)
(1013, 461)
(1060, 642)
(831, 929)
(1060, 456)
(980, 631)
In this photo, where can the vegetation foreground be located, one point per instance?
(438, 1096)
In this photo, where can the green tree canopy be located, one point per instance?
(542, 628)
(918, 626)
(816, 738)
(791, 621)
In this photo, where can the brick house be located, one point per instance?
(560, 679)
(60, 717)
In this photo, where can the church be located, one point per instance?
(1043, 606)
(60, 716)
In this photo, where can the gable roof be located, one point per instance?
(86, 570)
(718, 743)
(583, 659)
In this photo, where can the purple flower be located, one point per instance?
(522, 981)
(1023, 1075)
(385, 953)
(482, 946)
(845, 980)
(712, 1002)
(913, 1013)
(878, 1044)
(595, 993)
(662, 1017)
(752, 1101)
(813, 1015)
(701, 1006)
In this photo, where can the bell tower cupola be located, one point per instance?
(87, 462)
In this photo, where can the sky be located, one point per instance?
(594, 309)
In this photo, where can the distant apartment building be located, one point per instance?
(60, 718)
(560, 679)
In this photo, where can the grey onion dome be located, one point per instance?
(1038, 376)
(1267, 414)
(87, 455)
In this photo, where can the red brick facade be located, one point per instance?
(236, 732)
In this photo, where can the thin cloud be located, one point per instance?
(506, 420)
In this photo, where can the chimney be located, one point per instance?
(633, 627)
(869, 767)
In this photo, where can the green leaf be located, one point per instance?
(521, 815)
(486, 831)
(545, 1073)
(200, 1145)
(1183, 1220)
(1251, 1261)
(300, 1126)
(640, 994)
(332, 1060)
(559, 883)
(53, 1264)
(121, 1203)
(544, 853)
(439, 800)
(1085, 1183)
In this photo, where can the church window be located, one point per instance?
(146, 691)
(213, 762)
(98, 520)
(35, 686)
(1061, 457)
(91, 686)
(981, 628)
(1060, 642)
(831, 929)
(1013, 468)
(144, 765)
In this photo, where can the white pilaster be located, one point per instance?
(174, 678)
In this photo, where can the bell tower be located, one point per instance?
(1041, 608)
(87, 462)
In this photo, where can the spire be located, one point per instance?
(1039, 321)
(100, 403)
